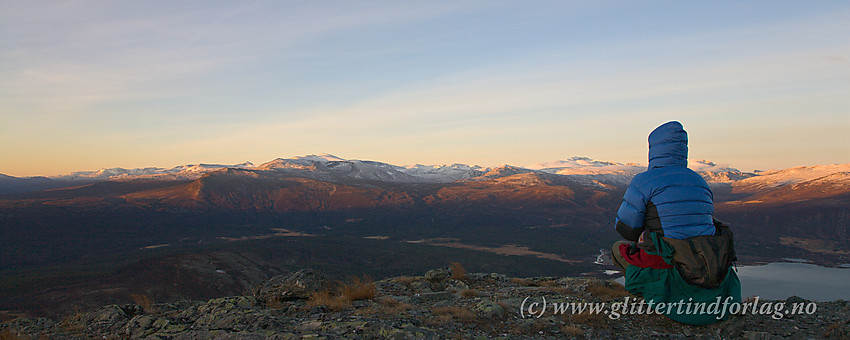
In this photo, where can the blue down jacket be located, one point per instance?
(669, 198)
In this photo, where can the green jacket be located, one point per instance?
(703, 280)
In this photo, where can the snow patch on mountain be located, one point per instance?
(444, 173)
(779, 178)
(369, 170)
(307, 162)
(191, 171)
(591, 170)
(588, 166)
(330, 167)
(717, 173)
(588, 169)
(327, 166)
(573, 162)
(503, 171)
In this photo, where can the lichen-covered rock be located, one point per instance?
(488, 277)
(139, 326)
(438, 275)
(456, 286)
(488, 309)
(106, 319)
(433, 296)
(298, 285)
(421, 286)
(23, 327)
(233, 313)
(108, 315)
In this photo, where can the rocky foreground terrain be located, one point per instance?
(444, 303)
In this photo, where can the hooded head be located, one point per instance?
(668, 146)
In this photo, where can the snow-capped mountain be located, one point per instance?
(576, 162)
(791, 176)
(299, 162)
(717, 173)
(191, 171)
(444, 173)
(591, 170)
(619, 173)
(360, 169)
(327, 166)
(333, 168)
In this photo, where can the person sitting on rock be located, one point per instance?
(676, 251)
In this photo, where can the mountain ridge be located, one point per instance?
(327, 166)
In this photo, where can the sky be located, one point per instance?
(86, 85)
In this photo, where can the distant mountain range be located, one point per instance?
(330, 166)
(808, 199)
(356, 216)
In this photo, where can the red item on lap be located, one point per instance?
(643, 259)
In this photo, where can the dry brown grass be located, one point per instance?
(341, 297)
(387, 301)
(588, 319)
(332, 301)
(458, 313)
(458, 271)
(833, 327)
(275, 304)
(834, 331)
(145, 302)
(366, 311)
(531, 283)
(572, 330)
(555, 287)
(439, 320)
(469, 293)
(7, 334)
(73, 322)
(559, 290)
(405, 280)
(607, 291)
(391, 306)
(548, 283)
(358, 289)
(399, 309)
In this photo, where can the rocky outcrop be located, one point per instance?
(433, 306)
(298, 285)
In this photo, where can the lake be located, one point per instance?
(780, 280)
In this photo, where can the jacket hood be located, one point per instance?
(668, 146)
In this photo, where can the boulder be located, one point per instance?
(438, 275)
(488, 309)
(298, 285)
